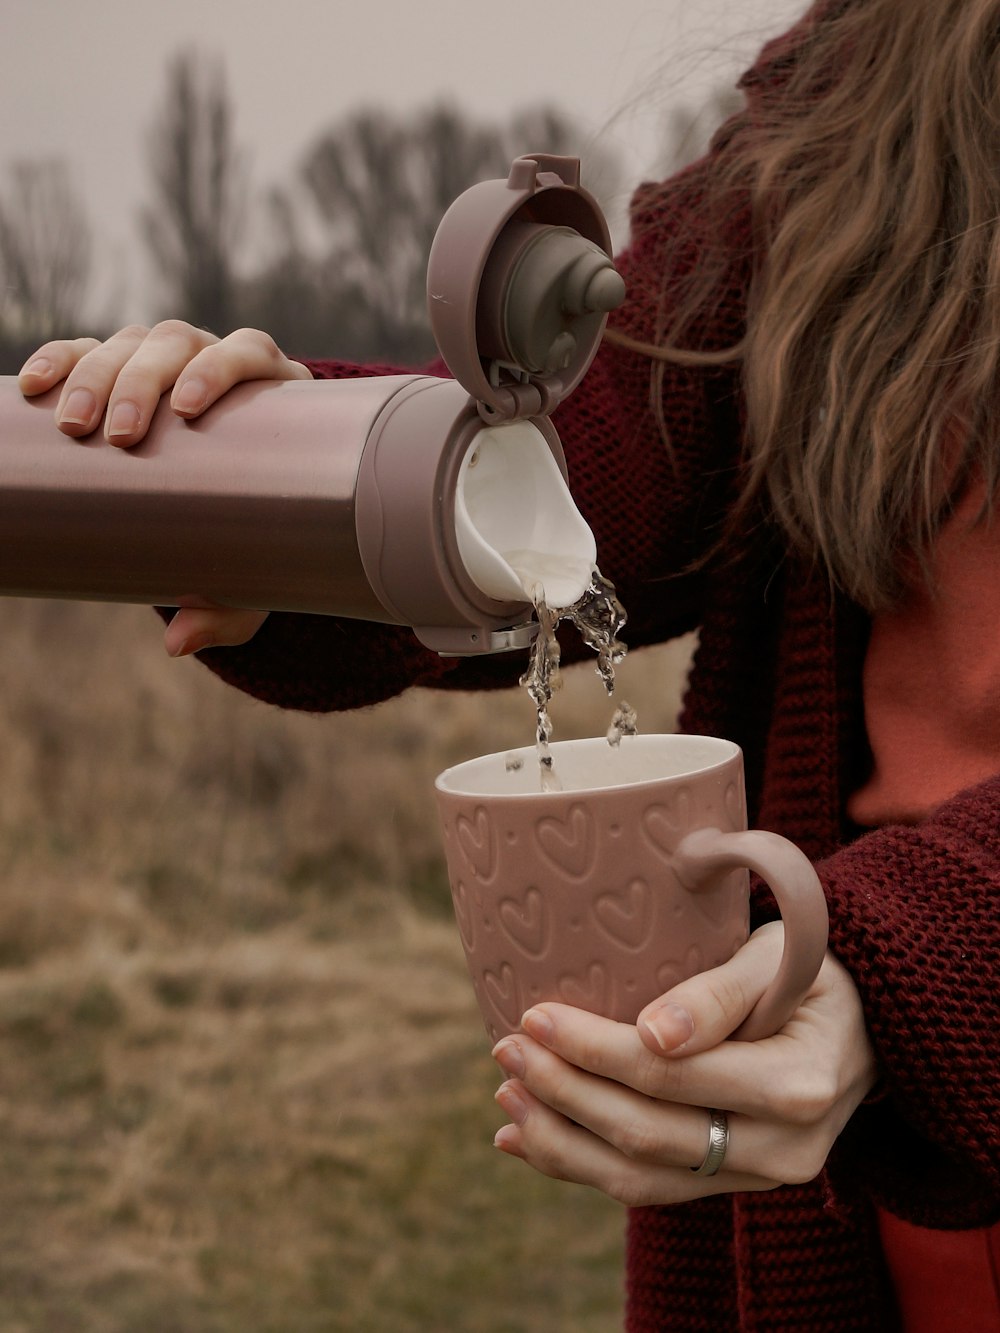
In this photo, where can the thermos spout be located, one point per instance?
(519, 533)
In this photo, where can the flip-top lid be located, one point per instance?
(519, 287)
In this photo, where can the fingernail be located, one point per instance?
(125, 420)
(40, 366)
(670, 1026)
(512, 1102)
(539, 1026)
(80, 408)
(191, 398)
(194, 643)
(508, 1141)
(509, 1057)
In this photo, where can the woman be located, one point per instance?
(810, 484)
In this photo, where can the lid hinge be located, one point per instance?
(517, 397)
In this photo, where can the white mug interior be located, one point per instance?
(588, 765)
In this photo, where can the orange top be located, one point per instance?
(932, 679)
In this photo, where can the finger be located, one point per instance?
(647, 1130)
(247, 354)
(759, 1079)
(195, 628)
(606, 1048)
(707, 1008)
(156, 363)
(563, 1150)
(89, 384)
(641, 1127)
(52, 363)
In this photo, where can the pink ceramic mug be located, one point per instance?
(631, 878)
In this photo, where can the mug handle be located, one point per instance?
(789, 875)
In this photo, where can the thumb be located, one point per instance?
(697, 1014)
(194, 628)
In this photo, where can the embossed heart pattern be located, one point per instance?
(596, 895)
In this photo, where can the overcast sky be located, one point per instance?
(82, 79)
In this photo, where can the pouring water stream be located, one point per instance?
(599, 617)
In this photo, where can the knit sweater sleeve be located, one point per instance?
(647, 503)
(914, 917)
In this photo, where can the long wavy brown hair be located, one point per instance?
(869, 151)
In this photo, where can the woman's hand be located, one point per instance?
(121, 382)
(625, 1109)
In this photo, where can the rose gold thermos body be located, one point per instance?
(319, 496)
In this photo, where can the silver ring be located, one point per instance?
(718, 1142)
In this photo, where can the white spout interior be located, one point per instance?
(518, 530)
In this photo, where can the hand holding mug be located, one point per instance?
(616, 912)
(609, 1105)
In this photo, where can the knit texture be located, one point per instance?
(913, 909)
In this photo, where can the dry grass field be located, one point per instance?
(243, 1083)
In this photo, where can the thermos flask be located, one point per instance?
(410, 499)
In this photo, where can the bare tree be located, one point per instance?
(378, 185)
(199, 192)
(45, 254)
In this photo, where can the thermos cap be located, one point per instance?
(519, 286)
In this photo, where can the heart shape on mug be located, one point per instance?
(665, 825)
(591, 994)
(477, 841)
(526, 923)
(669, 975)
(568, 843)
(463, 915)
(626, 917)
(503, 994)
(724, 901)
(735, 801)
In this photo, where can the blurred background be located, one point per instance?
(243, 1082)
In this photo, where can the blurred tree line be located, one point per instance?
(341, 270)
(345, 243)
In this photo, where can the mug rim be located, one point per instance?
(726, 751)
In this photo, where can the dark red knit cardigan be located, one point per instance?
(913, 909)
